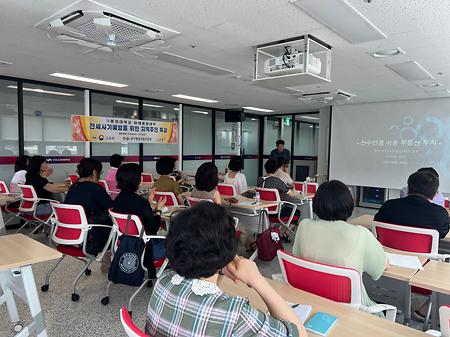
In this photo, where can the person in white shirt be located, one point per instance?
(235, 176)
(20, 169)
(282, 172)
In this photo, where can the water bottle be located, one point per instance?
(257, 196)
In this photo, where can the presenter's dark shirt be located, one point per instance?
(285, 154)
(414, 211)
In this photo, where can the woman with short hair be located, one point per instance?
(234, 175)
(331, 240)
(206, 180)
(129, 202)
(187, 301)
(114, 161)
(95, 200)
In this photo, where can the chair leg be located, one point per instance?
(45, 286)
(40, 225)
(75, 296)
(105, 300)
(254, 255)
(130, 301)
(23, 226)
(427, 316)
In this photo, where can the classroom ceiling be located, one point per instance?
(223, 33)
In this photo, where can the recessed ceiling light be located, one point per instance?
(429, 85)
(5, 63)
(42, 91)
(387, 53)
(89, 80)
(136, 103)
(309, 117)
(176, 109)
(193, 98)
(257, 109)
(201, 112)
(254, 119)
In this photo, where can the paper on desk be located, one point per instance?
(301, 310)
(405, 261)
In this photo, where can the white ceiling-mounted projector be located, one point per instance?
(291, 62)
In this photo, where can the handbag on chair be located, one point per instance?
(126, 265)
(268, 241)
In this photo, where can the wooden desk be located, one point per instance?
(250, 204)
(435, 277)
(17, 253)
(367, 219)
(400, 273)
(352, 322)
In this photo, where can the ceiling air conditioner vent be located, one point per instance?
(91, 24)
(326, 97)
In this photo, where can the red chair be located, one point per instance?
(28, 206)
(311, 188)
(147, 178)
(70, 234)
(73, 178)
(104, 184)
(228, 190)
(14, 211)
(274, 212)
(135, 228)
(300, 186)
(446, 203)
(171, 199)
(419, 241)
(339, 284)
(195, 201)
(444, 319)
(128, 325)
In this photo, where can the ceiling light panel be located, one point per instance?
(42, 91)
(257, 109)
(89, 80)
(411, 71)
(343, 18)
(193, 98)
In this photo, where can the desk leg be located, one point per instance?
(33, 302)
(434, 310)
(2, 223)
(407, 305)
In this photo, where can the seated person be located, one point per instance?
(206, 180)
(129, 202)
(438, 198)
(95, 201)
(19, 177)
(166, 183)
(417, 209)
(235, 176)
(282, 172)
(37, 173)
(331, 240)
(114, 161)
(272, 181)
(201, 247)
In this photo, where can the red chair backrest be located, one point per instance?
(73, 178)
(128, 325)
(404, 238)
(299, 186)
(134, 226)
(67, 214)
(3, 187)
(103, 184)
(147, 178)
(446, 203)
(335, 283)
(29, 198)
(171, 199)
(228, 190)
(269, 194)
(311, 188)
(195, 201)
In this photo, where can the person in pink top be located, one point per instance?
(115, 161)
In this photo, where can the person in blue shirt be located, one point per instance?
(280, 151)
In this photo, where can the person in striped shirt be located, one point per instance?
(187, 301)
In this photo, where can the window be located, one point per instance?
(9, 134)
(47, 126)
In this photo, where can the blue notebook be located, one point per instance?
(321, 323)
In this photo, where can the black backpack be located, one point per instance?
(126, 265)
